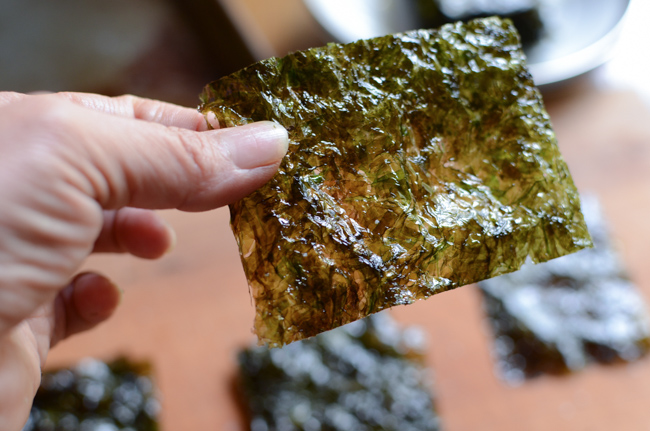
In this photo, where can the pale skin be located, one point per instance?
(82, 173)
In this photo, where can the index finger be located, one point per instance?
(139, 108)
(126, 106)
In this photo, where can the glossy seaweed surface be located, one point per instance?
(418, 162)
(559, 316)
(95, 396)
(524, 14)
(364, 376)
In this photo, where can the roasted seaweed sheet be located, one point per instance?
(418, 162)
(524, 14)
(559, 316)
(364, 376)
(96, 396)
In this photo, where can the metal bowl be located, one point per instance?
(579, 34)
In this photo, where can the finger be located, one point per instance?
(142, 233)
(7, 97)
(20, 372)
(123, 162)
(89, 300)
(139, 108)
(127, 106)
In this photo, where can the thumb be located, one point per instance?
(128, 162)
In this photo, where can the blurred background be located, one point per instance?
(190, 312)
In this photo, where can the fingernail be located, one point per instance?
(121, 297)
(172, 239)
(257, 144)
(212, 120)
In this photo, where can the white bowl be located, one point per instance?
(579, 34)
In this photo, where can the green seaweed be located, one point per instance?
(94, 395)
(560, 316)
(418, 162)
(524, 14)
(365, 376)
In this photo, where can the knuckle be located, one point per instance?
(206, 170)
(53, 116)
(48, 143)
(128, 102)
(56, 135)
(200, 156)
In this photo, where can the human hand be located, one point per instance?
(81, 173)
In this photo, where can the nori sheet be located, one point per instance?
(364, 376)
(524, 14)
(418, 162)
(559, 316)
(94, 396)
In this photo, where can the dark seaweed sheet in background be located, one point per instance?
(365, 376)
(94, 395)
(560, 316)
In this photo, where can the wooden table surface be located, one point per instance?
(190, 312)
